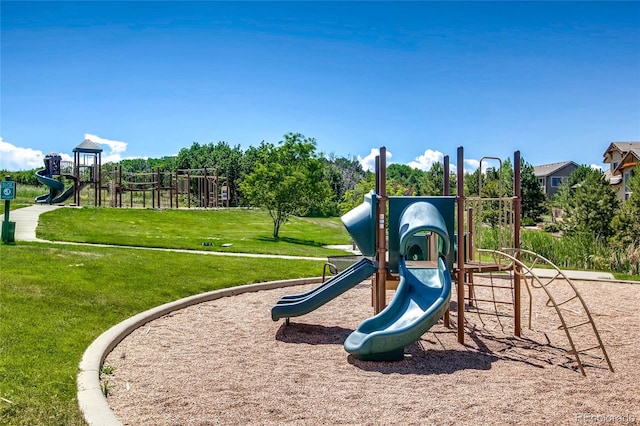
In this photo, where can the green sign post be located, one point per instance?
(8, 193)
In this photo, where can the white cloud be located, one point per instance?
(596, 167)
(14, 158)
(430, 157)
(368, 163)
(116, 148)
(426, 160)
(471, 165)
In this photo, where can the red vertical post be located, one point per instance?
(517, 208)
(460, 252)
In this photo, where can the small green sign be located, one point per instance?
(7, 190)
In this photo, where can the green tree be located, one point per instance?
(589, 204)
(533, 197)
(22, 177)
(288, 180)
(473, 182)
(626, 223)
(405, 177)
(492, 188)
(354, 197)
(432, 182)
(227, 160)
(144, 165)
(341, 174)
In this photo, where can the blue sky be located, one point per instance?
(556, 80)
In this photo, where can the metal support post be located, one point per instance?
(460, 252)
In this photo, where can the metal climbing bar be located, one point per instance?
(526, 270)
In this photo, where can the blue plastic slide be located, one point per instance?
(57, 193)
(422, 296)
(303, 303)
(420, 301)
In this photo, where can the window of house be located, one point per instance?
(615, 166)
(557, 181)
(542, 182)
(627, 188)
(627, 176)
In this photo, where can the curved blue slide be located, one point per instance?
(303, 303)
(57, 193)
(421, 299)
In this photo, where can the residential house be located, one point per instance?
(622, 157)
(551, 176)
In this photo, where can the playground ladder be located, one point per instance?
(526, 272)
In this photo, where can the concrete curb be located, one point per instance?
(93, 404)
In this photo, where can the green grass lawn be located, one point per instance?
(56, 299)
(247, 231)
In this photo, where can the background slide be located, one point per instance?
(57, 193)
(303, 303)
(420, 301)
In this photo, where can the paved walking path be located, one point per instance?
(27, 221)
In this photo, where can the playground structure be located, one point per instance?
(184, 188)
(187, 188)
(435, 247)
(83, 171)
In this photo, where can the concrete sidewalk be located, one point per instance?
(575, 275)
(26, 220)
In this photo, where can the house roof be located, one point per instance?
(88, 146)
(549, 169)
(613, 180)
(622, 148)
(630, 159)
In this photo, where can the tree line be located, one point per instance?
(292, 177)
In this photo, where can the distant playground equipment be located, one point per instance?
(200, 188)
(83, 171)
(203, 188)
(435, 245)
